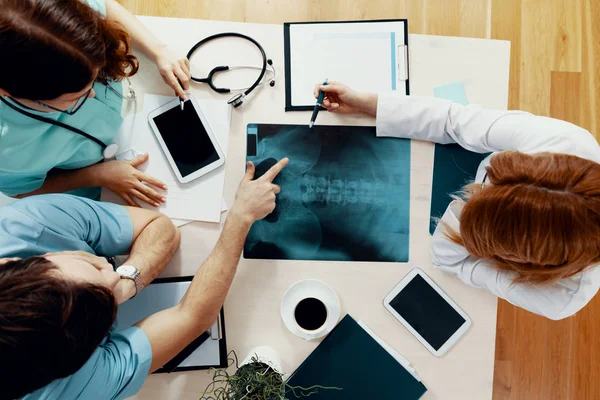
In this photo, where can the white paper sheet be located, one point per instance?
(368, 56)
(199, 200)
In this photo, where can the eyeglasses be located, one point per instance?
(71, 110)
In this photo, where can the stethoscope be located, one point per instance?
(108, 151)
(238, 98)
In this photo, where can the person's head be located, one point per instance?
(54, 312)
(536, 215)
(54, 50)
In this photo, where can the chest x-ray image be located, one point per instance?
(345, 194)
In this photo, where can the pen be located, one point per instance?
(180, 99)
(317, 106)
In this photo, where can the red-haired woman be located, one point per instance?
(62, 63)
(528, 228)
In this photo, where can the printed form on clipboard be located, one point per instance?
(367, 55)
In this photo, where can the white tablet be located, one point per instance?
(186, 139)
(427, 312)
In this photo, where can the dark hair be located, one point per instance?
(49, 326)
(53, 47)
(538, 217)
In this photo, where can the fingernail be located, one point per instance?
(164, 187)
(163, 199)
(156, 204)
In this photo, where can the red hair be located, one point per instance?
(537, 216)
(53, 47)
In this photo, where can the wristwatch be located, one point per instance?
(130, 272)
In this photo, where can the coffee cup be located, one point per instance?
(310, 315)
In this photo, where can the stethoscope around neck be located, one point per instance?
(238, 98)
(108, 150)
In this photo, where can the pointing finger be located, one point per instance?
(275, 170)
(249, 171)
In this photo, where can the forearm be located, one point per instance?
(142, 38)
(368, 103)
(60, 181)
(211, 283)
(170, 330)
(154, 248)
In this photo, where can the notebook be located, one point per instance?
(315, 51)
(453, 166)
(351, 359)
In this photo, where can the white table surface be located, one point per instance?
(252, 307)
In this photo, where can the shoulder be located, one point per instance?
(116, 370)
(98, 5)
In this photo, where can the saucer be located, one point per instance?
(310, 288)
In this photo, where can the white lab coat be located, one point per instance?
(480, 130)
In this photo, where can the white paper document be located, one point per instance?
(368, 56)
(199, 200)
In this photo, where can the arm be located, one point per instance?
(122, 177)
(155, 240)
(171, 330)
(473, 127)
(171, 69)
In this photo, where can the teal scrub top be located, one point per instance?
(57, 222)
(29, 149)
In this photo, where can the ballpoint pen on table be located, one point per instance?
(317, 106)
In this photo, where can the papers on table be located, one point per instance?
(199, 200)
(367, 55)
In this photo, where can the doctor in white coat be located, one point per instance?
(528, 228)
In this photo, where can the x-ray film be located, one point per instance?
(345, 195)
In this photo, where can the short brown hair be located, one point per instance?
(53, 47)
(538, 216)
(49, 326)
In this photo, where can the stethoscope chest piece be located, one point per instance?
(110, 151)
(236, 100)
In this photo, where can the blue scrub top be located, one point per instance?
(29, 149)
(57, 222)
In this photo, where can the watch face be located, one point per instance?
(127, 270)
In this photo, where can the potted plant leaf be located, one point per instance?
(258, 377)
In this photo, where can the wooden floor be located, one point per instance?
(555, 71)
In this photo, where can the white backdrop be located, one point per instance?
(252, 307)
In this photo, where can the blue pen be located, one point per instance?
(317, 106)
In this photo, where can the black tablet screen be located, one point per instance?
(186, 139)
(427, 312)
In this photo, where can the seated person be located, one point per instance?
(58, 295)
(528, 228)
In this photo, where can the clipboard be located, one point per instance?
(209, 350)
(314, 51)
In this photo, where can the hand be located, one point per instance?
(123, 178)
(255, 199)
(339, 97)
(174, 71)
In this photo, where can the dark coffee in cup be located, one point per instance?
(310, 314)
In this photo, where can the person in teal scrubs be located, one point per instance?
(59, 295)
(64, 61)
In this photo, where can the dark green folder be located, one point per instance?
(453, 168)
(350, 359)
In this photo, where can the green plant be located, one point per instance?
(253, 381)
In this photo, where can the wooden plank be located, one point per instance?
(530, 335)
(442, 17)
(565, 96)
(590, 68)
(505, 339)
(557, 356)
(474, 18)
(586, 349)
(567, 40)
(506, 25)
